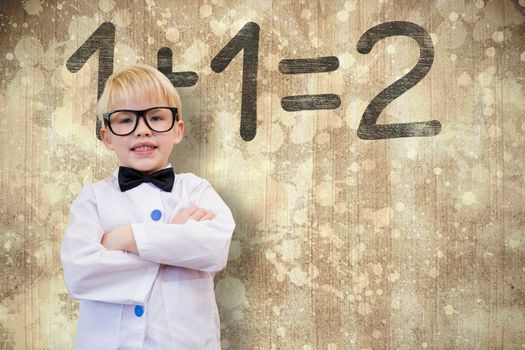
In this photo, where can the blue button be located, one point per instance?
(156, 215)
(139, 311)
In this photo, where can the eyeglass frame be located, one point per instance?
(139, 114)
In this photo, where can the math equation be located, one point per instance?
(247, 41)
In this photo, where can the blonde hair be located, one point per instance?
(137, 81)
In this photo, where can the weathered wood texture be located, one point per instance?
(341, 243)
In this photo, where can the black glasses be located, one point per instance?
(123, 122)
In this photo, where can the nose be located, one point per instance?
(142, 129)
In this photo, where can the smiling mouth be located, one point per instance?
(144, 148)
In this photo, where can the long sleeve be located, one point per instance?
(91, 271)
(199, 245)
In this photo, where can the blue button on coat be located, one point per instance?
(156, 215)
(139, 310)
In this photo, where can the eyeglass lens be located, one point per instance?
(158, 119)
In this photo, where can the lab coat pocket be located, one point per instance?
(98, 325)
(192, 313)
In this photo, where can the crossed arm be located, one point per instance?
(122, 238)
(120, 265)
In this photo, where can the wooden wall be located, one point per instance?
(350, 234)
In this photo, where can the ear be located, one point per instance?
(104, 135)
(179, 132)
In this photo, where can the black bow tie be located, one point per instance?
(129, 178)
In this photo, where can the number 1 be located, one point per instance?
(246, 39)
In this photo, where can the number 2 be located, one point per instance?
(368, 129)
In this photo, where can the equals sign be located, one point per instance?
(304, 66)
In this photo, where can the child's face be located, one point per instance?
(161, 143)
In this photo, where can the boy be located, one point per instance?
(142, 247)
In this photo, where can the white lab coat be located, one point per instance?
(110, 282)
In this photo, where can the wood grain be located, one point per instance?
(340, 243)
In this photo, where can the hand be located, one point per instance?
(120, 238)
(193, 212)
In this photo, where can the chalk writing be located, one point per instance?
(247, 41)
(368, 129)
